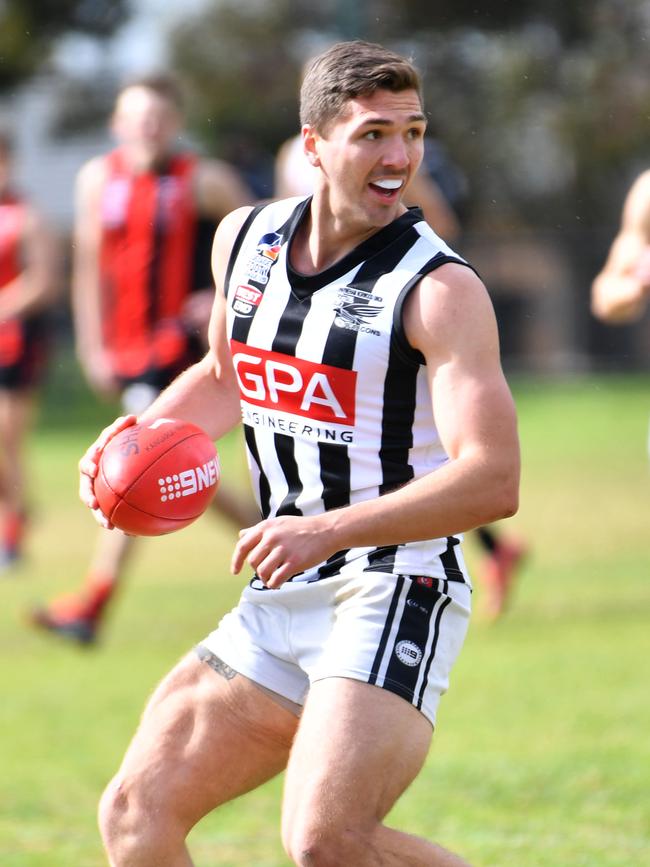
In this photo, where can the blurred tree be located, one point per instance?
(544, 103)
(28, 28)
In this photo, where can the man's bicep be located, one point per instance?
(451, 321)
(473, 408)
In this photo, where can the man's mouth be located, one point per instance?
(387, 186)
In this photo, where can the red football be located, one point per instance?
(157, 477)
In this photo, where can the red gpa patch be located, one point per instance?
(295, 386)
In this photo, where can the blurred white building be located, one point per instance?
(47, 164)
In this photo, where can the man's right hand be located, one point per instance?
(89, 466)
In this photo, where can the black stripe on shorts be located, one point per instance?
(408, 652)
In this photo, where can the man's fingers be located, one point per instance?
(86, 490)
(267, 565)
(237, 560)
(109, 432)
(279, 576)
(248, 538)
(101, 519)
(89, 466)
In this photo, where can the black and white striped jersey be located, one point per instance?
(335, 404)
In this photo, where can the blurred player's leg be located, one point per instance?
(16, 410)
(237, 507)
(79, 616)
(498, 570)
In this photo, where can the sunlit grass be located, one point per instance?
(542, 756)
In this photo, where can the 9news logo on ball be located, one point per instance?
(158, 477)
(189, 482)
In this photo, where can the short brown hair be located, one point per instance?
(346, 71)
(161, 84)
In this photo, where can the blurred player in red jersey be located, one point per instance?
(29, 271)
(142, 290)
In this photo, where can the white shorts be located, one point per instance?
(397, 632)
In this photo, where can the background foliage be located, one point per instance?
(544, 104)
(29, 29)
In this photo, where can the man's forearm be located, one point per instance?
(452, 499)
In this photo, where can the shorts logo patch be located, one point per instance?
(408, 653)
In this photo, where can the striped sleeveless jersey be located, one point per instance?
(335, 403)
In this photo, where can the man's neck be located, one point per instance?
(322, 239)
(141, 162)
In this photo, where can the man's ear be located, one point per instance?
(309, 140)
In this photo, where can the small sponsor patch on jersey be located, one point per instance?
(408, 653)
(258, 269)
(246, 299)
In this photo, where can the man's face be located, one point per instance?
(145, 123)
(368, 156)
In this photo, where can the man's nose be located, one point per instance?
(396, 154)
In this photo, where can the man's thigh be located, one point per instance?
(205, 737)
(357, 748)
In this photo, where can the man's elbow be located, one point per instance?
(509, 507)
(505, 500)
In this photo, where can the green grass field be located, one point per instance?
(542, 758)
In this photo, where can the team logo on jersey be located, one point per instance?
(269, 245)
(295, 386)
(408, 653)
(355, 310)
(266, 255)
(246, 300)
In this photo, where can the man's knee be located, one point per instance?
(132, 826)
(113, 812)
(314, 844)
